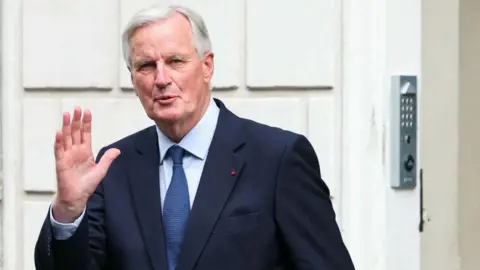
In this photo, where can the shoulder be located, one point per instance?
(270, 138)
(292, 152)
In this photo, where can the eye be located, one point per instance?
(146, 65)
(175, 61)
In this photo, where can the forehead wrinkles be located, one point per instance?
(167, 36)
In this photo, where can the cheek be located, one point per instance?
(187, 83)
(181, 84)
(143, 84)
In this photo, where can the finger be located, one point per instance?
(58, 146)
(107, 158)
(87, 128)
(76, 124)
(66, 131)
(105, 161)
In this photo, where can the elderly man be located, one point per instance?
(202, 189)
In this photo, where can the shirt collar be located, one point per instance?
(197, 141)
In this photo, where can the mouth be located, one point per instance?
(165, 99)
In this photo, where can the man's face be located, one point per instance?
(171, 81)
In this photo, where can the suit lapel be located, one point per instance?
(222, 168)
(144, 183)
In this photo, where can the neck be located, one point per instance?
(177, 130)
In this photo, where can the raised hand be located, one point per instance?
(77, 173)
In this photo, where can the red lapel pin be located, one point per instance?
(232, 172)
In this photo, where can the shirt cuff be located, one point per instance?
(63, 231)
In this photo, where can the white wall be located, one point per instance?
(319, 68)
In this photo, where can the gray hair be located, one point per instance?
(156, 12)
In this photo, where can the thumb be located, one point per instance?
(106, 160)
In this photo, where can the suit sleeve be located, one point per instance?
(305, 214)
(62, 231)
(84, 249)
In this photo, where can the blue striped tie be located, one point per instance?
(176, 207)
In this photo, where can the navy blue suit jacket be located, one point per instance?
(273, 213)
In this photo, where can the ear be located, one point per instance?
(208, 66)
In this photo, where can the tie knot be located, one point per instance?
(176, 153)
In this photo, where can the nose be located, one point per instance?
(162, 77)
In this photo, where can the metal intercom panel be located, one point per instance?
(403, 124)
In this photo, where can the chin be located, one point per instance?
(166, 116)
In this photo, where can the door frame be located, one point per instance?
(11, 106)
(380, 224)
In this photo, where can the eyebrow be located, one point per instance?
(142, 61)
(146, 60)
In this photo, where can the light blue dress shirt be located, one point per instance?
(196, 143)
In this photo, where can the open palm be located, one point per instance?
(77, 173)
